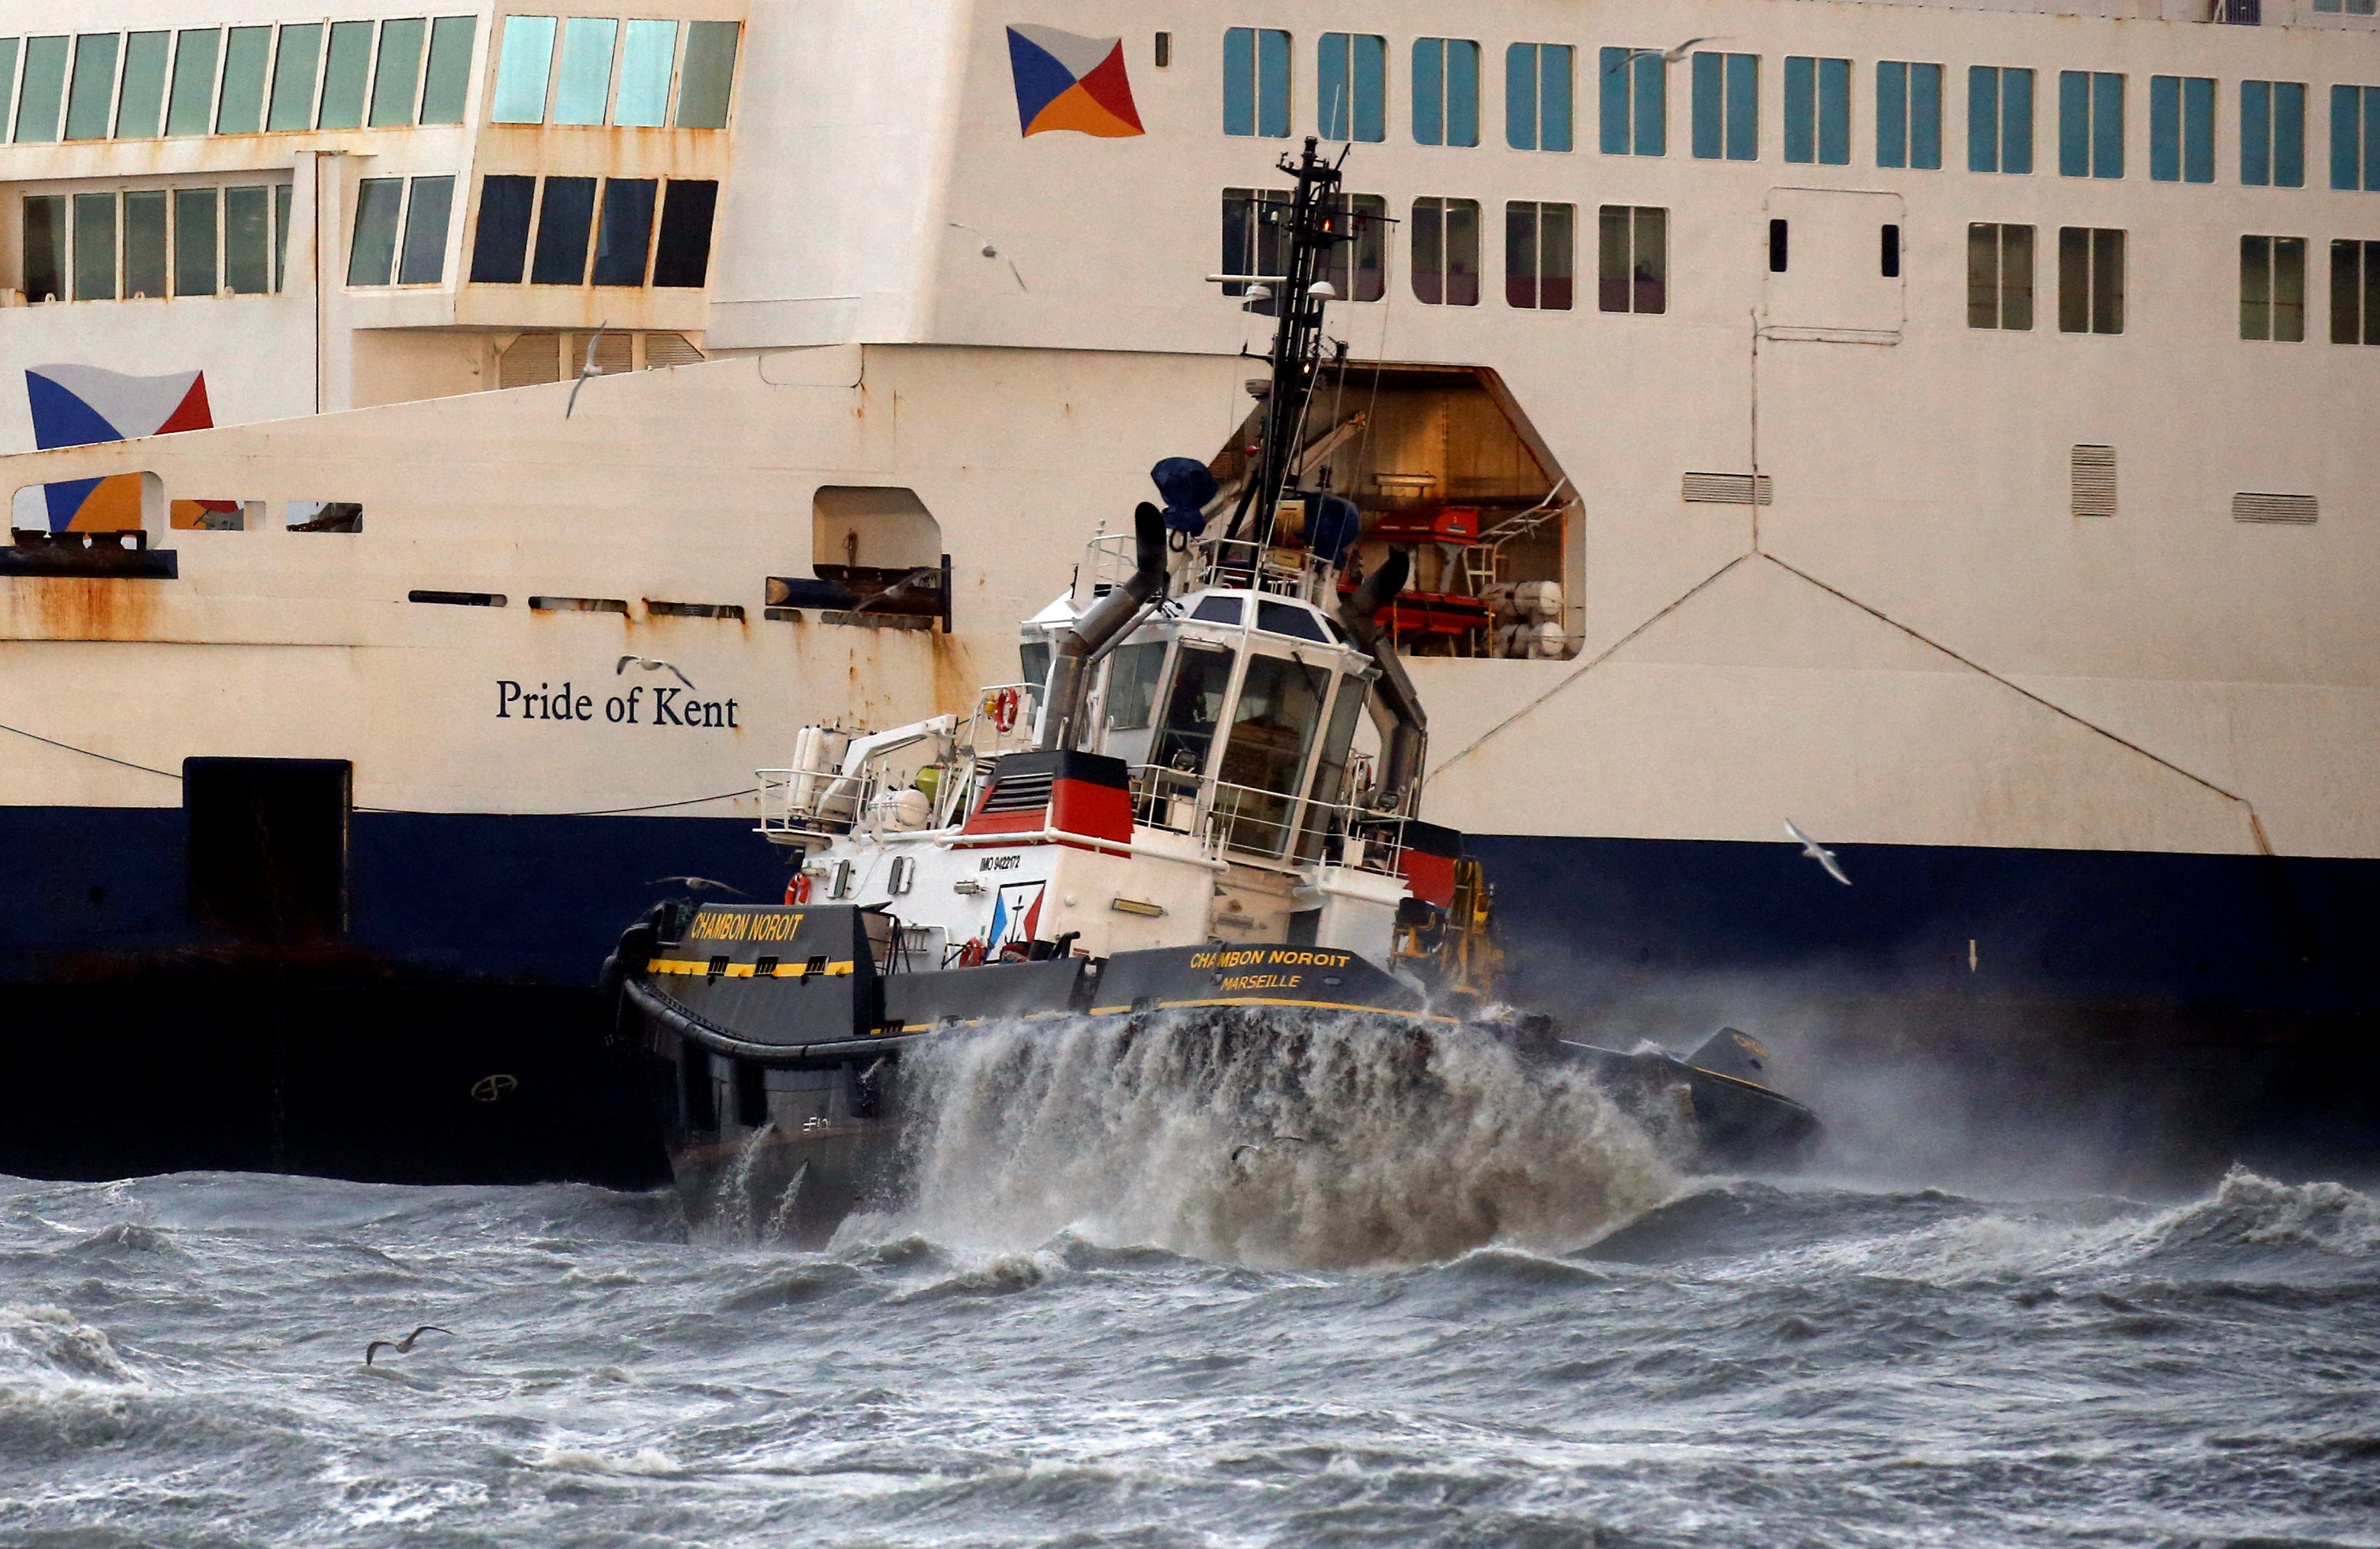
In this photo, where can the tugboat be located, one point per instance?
(1166, 815)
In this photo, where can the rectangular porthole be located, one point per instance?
(1889, 252)
(458, 598)
(693, 610)
(1779, 250)
(2272, 288)
(580, 604)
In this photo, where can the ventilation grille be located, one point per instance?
(669, 350)
(2299, 509)
(1019, 794)
(1729, 489)
(2094, 480)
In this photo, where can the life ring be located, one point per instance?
(797, 888)
(971, 955)
(1004, 703)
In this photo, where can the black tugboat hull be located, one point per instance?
(772, 1052)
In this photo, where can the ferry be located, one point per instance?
(448, 454)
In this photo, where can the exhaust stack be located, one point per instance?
(1098, 628)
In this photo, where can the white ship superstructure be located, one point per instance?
(1948, 427)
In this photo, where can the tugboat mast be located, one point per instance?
(1315, 219)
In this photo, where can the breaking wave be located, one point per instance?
(1321, 1141)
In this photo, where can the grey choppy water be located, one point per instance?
(179, 1364)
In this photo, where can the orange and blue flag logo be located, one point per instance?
(1069, 82)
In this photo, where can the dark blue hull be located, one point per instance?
(2187, 1010)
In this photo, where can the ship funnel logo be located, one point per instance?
(82, 406)
(1064, 81)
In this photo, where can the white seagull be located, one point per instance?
(989, 250)
(590, 369)
(653, 664)
(1818, 853)
(1666, 56)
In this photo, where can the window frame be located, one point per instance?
(1552, 227)
(1818, 109)
(1725, 106)
(1435, 218)
(1628, 223)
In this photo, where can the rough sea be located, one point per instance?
(1501, 1322)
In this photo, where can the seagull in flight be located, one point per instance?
(653, 664)
(403, 1346)
(1667, 57)
(697, 884)
(590, 369)
(990, 251)
(1818, 853)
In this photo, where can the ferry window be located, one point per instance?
(1274, 725)
(194, 80)
(2272, 133)
(647, 52)
(2000, 277)
(1727, 106)
(708, 75)
(1202, 675)
(1632, 259)
(2090, 280)
(682, 257)
(1287, 618)
(399, 73)
(45, 247)
(1999, 119)
(1445, 92)
(1635, 102)
(1537, 91)
(1351, 86)
(372, 256)
(2182, 128)
(2090, 124)
(240, 107)
(144, 245)
(281, 206)
(42, 93)
(1819, 110)
(94, 85)
(1908, 114)
(2272, 288)
(625, 236)
(448, 80)
(1131, 684)
(1217, 610)
(1033, 660)
(1537, 264)
(347, 70)
(1888, 251)
(294, 69)
(7, 81)
(582, 87)
(429, 210)
(2350, 8)
(1446, 251)
(324, 516)
(563, 223)
(94, 247)
(522, 70)
(194, 241)
(1358, 270)
(2355, 292)
(248, 240)
(500, 243)
(1779, 237)
(1255, 82)
(2354, 136)
(1164, 50)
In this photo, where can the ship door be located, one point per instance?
(1834, 266)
